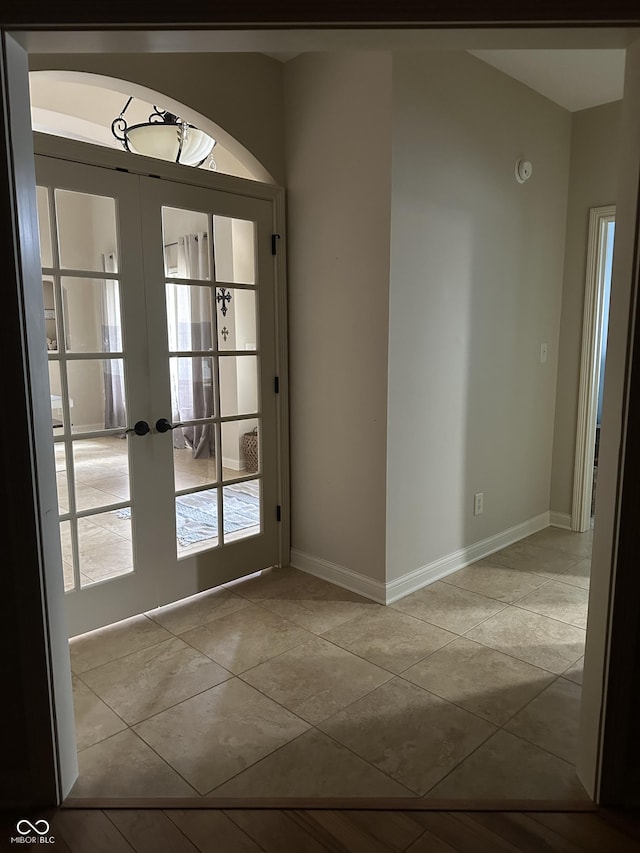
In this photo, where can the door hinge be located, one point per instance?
(276, 384)
(278, 513)
(274, 243)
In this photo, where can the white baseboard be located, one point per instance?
(560, 519)
(339, 575)
(412, 581)
(234, 464)
(439, 569)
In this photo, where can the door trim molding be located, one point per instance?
(111, 158)
(599, 218)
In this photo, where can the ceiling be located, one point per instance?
(575, 79)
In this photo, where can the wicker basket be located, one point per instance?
(250, 450)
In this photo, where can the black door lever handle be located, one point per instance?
(163, 425)
(140, 428)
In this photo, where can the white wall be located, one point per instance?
(338, 147)
(595, 141)
(476, 281)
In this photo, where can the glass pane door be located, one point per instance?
(210, 291)
(159, 310)
(88, 219)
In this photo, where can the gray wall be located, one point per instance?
(338, 131)
(595, 140)
(476, 281)
(240, 92)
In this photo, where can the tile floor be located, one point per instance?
(284, 685)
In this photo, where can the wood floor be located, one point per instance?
(339, 831)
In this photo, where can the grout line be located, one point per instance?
(100, 740)
(175, 704)
(126, 655)
(255, 763)
(412, 793)
(546, 616)
(144, 742)
(509, 654)
(485, 619)
(164, 761)
(541, 748)
(461, 762)
(526, 704)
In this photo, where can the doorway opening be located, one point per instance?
(592, 367)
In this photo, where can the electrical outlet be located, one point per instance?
(478, 503)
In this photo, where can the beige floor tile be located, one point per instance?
(246, 638)
(111, 521)
(532, 638)
(124, 766)
(575, 671)
(312, 765)
(218, 733)
(578, 575)
(563, 540)
(495, 581)
(408, 733)
(191, 479)
(389, 638)
(95, 721)
(118, 486)
(151, 680)
(318, 614)
(197, 610)
(551, 720)
(448, 607)
(527, 557)
(114, 641)
(94, 536)
(488, 683)
(509, 768)
(316, 679)
(88, 497)
(559, 601)
(293, 585)
(101, 562)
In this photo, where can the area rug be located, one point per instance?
(197, 513)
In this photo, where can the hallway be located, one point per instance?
(283, 685)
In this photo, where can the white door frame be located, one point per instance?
(594, 294)
(47, 762)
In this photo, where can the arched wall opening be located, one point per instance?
(81, 105)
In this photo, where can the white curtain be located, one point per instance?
(114, 395)
(189, 328)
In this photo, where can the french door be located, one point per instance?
(160, 320)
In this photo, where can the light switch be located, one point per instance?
(544, 352)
